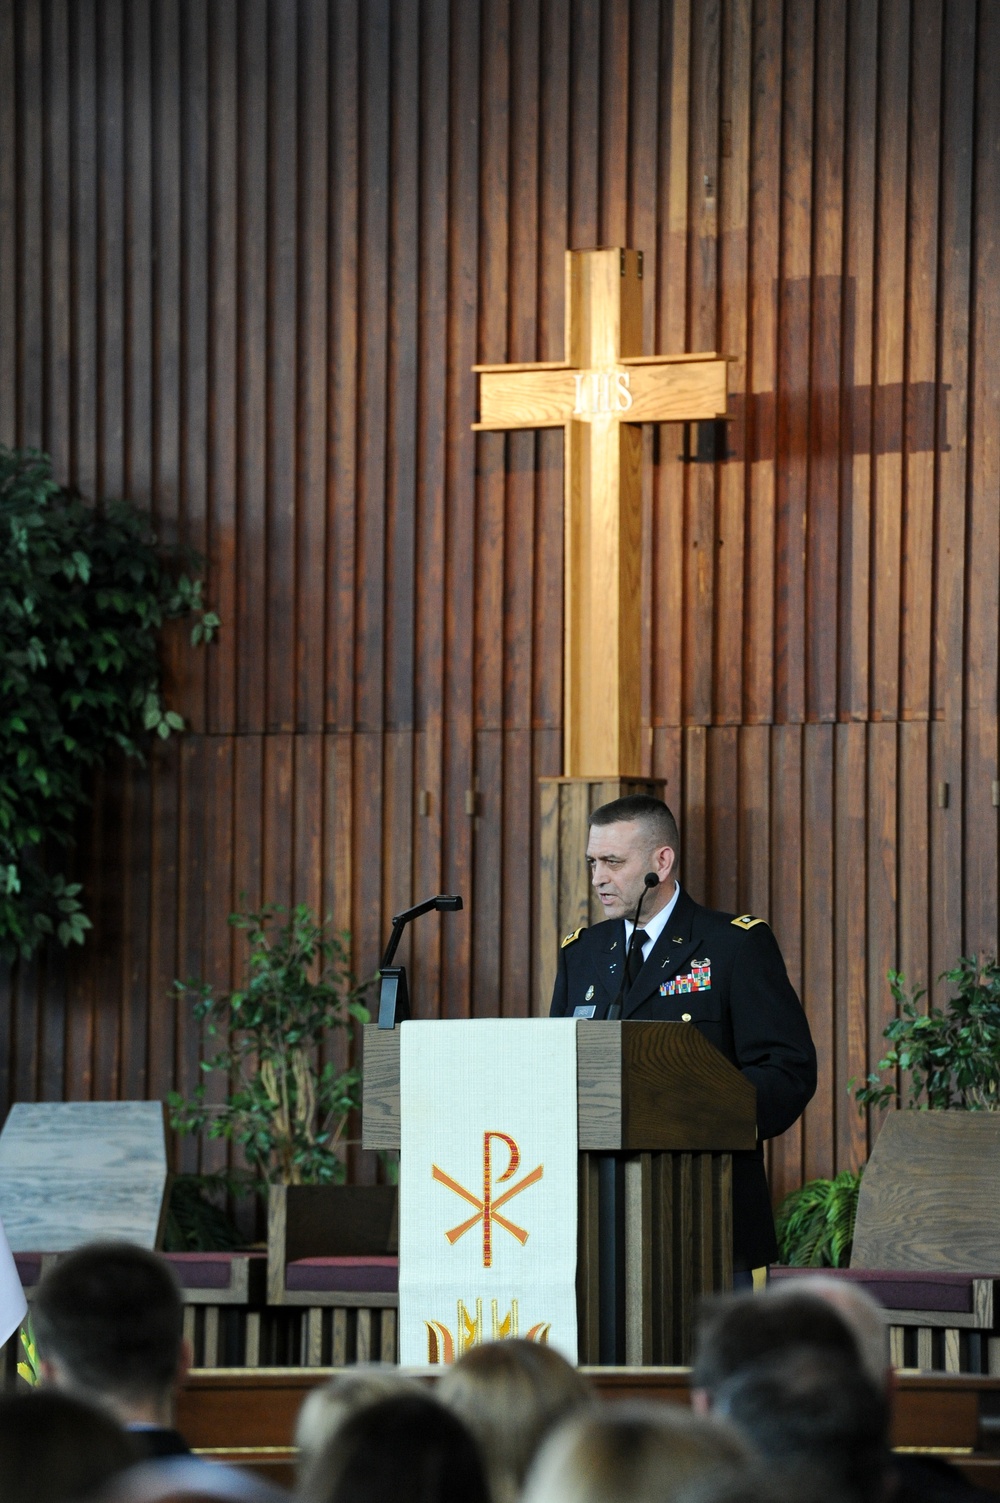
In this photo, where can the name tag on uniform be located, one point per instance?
(585, 1012)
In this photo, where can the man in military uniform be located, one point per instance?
(722, 973)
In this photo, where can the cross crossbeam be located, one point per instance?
(600, 394)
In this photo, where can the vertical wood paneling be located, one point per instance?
(9, 179)
(248, 254)
(794, 342)
(82, 465)
(762, 358)
(31, 100)
(951, 568)
(916, 606)
(252, 620)
(825, 366)
(983, 611)
(57, 250)
(734, 245)
(223, 360)
(312, 363)
(889, 337)
(857, 441)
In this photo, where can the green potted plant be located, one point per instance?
(84, 593)
(950, 1058)
(951, 1054)
(288, 1105)
(815, 1223)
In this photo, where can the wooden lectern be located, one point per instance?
(661, 1112)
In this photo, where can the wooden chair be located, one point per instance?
(332, 1253)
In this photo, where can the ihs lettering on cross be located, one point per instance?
(600, 394)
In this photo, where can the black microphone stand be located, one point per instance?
(650, 880)
(394, 994)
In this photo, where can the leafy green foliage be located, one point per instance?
(287, 1108)
(83, 595)
(196, 1222)
(31, 1368)
(815, 1224)
(952, 1055)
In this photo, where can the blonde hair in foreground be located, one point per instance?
(635, 1453)
(511, 1394)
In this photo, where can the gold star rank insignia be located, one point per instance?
(747, 921)
(571, 937)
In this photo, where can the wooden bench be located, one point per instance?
(225, 1297)
(74, 1172)
(944, 1322)
(249, 1418)
(927, 1239)
(225, 1312)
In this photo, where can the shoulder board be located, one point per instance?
(570, 937)
(747, 921)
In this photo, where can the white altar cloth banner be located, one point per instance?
(487, 1185)
(13, 1305)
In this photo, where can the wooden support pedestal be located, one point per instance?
(656, 1233)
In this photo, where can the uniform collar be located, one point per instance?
(655, 926)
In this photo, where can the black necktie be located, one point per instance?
(639, 937)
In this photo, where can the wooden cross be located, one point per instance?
(600, 394)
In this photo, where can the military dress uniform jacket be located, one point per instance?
(726, 976)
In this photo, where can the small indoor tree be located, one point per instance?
(288, 1104)
(84, 592)
(951, 1054)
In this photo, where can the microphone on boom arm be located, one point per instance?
(394, 995)
(650, 880)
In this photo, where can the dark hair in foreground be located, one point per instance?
(818, 1416)
(409, 1448)
(735, 1331)
(56, 1449)
(643, 809)
(110, 1314)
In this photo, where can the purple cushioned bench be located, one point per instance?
(221, 1278)
(910, 1293)
(369, 1275)
(206, 1278)
(218, 1289)
(938, 1314)
(29, 1270)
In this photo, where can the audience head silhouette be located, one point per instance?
(108, 1322)
(328, 1407)
(636, 1453)
(737, 1330)
(818, 1416)
(409, 1448)
(55, 1448)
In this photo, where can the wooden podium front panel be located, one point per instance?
(675, 1230)
(645, 1085)
(679, 1092)
(667, 1108)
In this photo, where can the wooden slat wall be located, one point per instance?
(249, 250)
